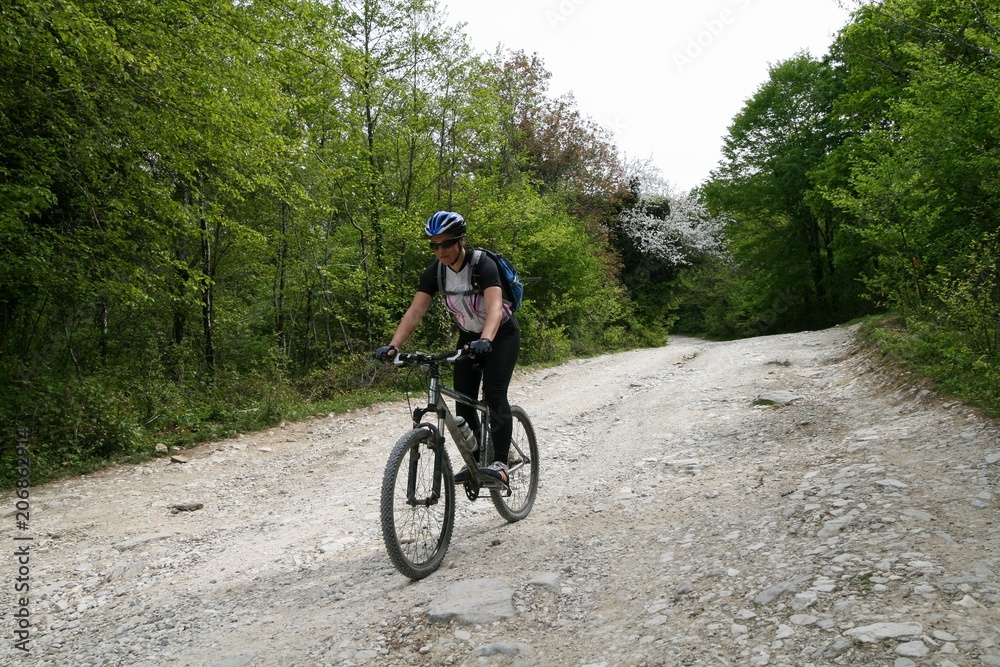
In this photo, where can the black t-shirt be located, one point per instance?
(468, 307)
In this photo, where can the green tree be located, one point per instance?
(923, 178)
(207, 208)
(782, 234)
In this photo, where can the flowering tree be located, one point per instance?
(672, 228)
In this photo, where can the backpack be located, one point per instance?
(510, 282)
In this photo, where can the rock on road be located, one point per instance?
(780, 500)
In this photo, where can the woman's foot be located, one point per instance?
(497, 469)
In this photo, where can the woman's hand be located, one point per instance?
(480, 347)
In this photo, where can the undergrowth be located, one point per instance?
(943, 356)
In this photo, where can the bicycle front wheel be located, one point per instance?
(416, 523)
(523, 470)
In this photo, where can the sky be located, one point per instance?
(666, 78)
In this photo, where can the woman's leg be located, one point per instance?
(496, 375)
(466, 379)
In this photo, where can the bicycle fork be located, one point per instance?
(437, 438)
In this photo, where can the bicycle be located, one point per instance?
(417, 508)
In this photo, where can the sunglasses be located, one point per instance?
(447, 243)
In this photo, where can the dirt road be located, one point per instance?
(771, 501)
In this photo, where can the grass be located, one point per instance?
(944, 357)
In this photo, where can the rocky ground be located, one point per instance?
(772, 501)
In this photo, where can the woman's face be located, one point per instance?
(447, 247)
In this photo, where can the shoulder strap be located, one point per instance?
(477, 257)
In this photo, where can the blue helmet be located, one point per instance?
(445, 222)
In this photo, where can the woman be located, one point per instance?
(488, 330)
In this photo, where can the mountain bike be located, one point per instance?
(417, 508)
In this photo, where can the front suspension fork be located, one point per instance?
(414, 462)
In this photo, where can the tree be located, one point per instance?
(207, 207)
(685, 232)
(557, 146)
(763, 185)
(922, 178)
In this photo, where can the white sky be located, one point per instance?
(665, 77)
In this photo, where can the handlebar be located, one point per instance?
(421, 359)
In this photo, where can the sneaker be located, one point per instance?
(497, 469)
(462, 475)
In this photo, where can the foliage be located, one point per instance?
(868, 174)
(211, 212)
(685, 232)
(784, 237)
(970, 301)
(659, 234)
(940, 354)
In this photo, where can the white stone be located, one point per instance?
(473, 601)
(916, 649)
(803, 601)
(919, 515)
(878, 631)
(968, 602)
(802, 619)
(142, 539)
(550, 581)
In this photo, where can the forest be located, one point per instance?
(211, 212)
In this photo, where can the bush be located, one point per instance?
(969, 300)
(942, 355)
(71, 425)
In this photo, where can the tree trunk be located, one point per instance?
(207, 303)
(280, 296)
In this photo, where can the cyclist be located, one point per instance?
(487, 329)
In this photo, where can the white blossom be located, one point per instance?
(688, 231)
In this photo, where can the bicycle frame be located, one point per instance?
(437, 393)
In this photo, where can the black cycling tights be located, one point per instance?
(495, 377)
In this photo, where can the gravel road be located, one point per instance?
(780, 500)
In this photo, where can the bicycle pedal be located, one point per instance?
(493, 484)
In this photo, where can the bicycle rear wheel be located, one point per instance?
(523, 473)
(416, 525)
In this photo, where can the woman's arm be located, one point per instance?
(415, 313)
(494, 311)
